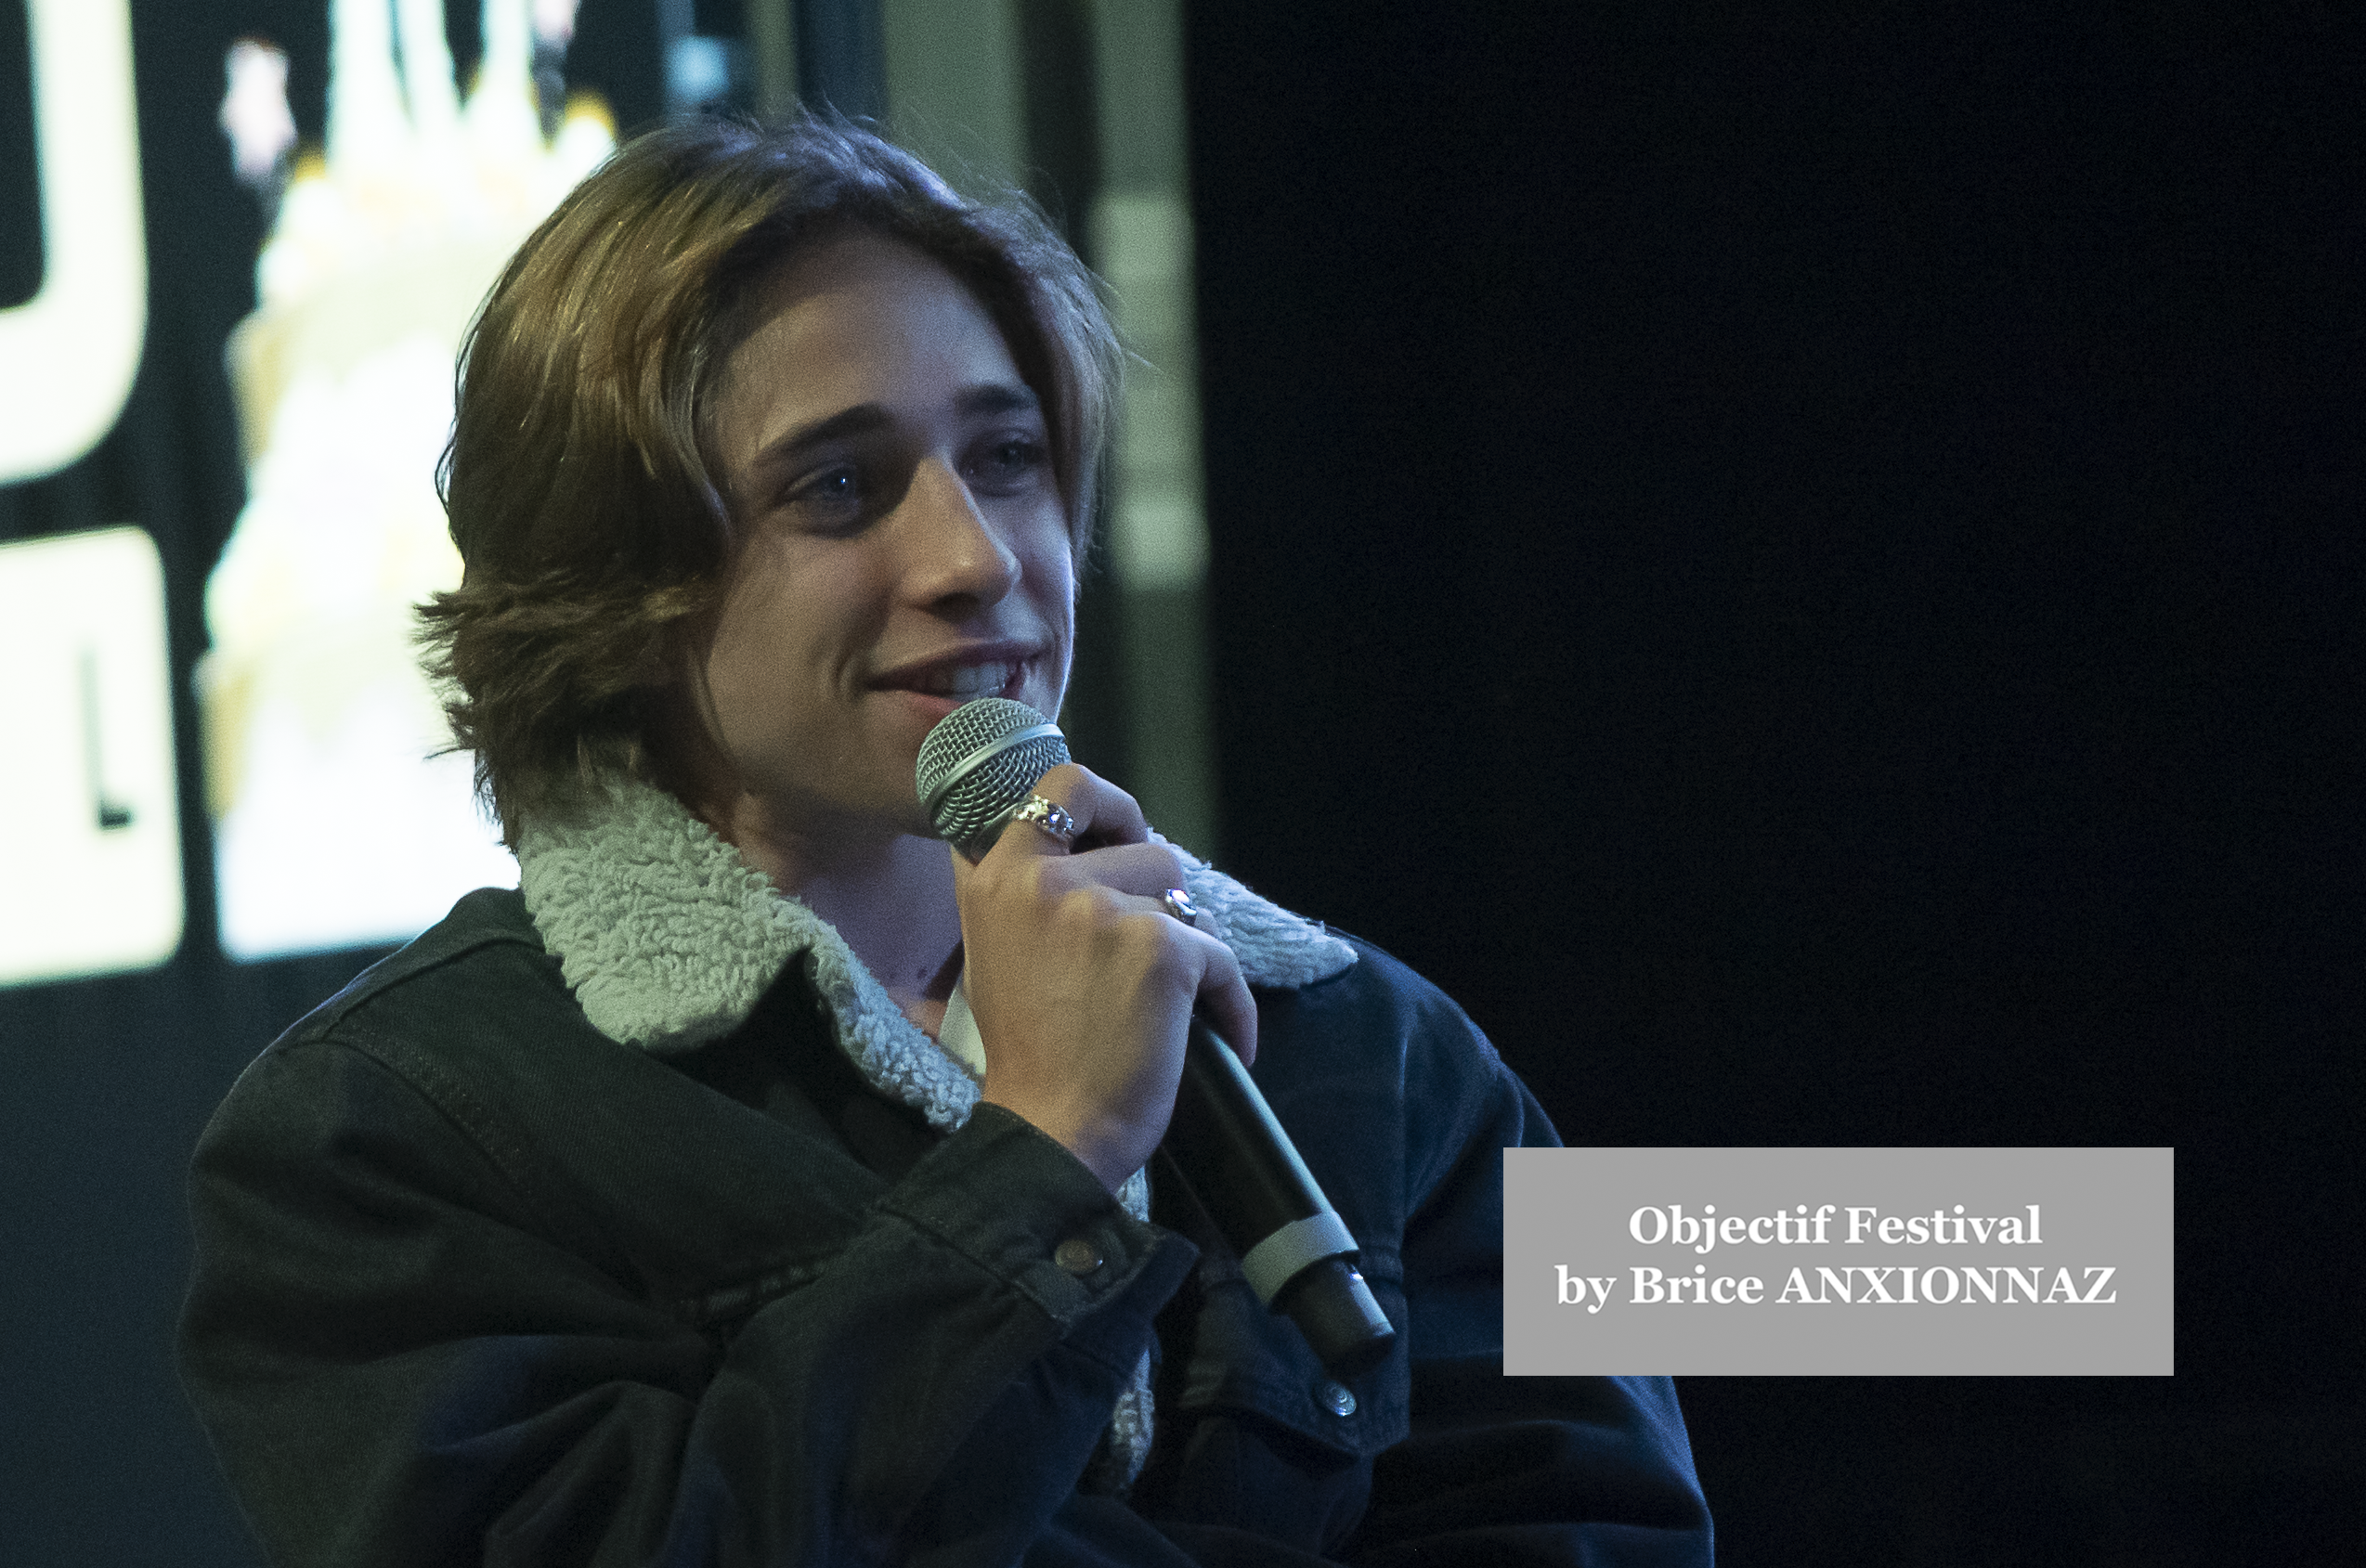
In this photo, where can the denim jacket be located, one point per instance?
(536, 1247)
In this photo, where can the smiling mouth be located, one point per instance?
(963, 682)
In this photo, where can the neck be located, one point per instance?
(890, 895)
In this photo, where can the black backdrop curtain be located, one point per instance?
(1805, 566)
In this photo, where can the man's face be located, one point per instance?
(903, 546)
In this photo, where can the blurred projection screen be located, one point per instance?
(71, 350)
(90, 840)
(339, 819)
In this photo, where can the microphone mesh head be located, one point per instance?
(980, 764)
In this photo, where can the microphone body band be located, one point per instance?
(1275, 1261)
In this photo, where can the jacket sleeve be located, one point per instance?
(399, 1364)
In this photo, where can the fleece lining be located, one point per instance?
(669, 939)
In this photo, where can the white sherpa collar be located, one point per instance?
(669, 939)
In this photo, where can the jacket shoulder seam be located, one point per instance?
(471, 1117)
(391, 974)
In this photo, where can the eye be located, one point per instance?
(1008, 465)
(827, 498)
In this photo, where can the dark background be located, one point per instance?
(1804, 568)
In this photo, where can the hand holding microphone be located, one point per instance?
(1081, 983)
(1083, 978)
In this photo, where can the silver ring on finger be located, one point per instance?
(1051, 819)
(1178, 905)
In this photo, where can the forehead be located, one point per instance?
(857, 317)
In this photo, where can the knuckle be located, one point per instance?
(1078, 909)
(1152, 939)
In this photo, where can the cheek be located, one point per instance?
(764, 661)
(1057, 576)
(743, 627)
(749, 706)
(1056, 601)
(1051, 569)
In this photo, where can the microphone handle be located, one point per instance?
(1297, 1254)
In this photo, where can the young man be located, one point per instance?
(640, 1216)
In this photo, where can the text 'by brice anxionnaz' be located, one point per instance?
(1915, 1281)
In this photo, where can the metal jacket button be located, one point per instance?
(1334, 1398)
(1077, 1256)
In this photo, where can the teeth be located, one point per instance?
(965, 681)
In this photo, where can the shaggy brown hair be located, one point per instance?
(577, 484)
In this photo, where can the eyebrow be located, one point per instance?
(971, 402)
(997, 397)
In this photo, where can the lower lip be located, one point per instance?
(928, 705)
(929, 709)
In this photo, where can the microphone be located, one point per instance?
(977, 768)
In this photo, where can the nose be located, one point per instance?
(955, 554)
